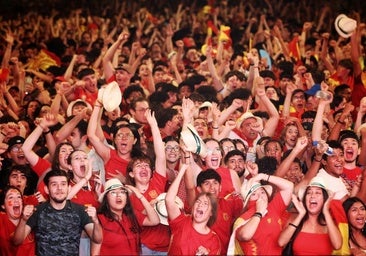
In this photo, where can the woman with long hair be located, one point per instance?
(315, 230)
(355, 209)
(121, 225)
(258, 228)
(191, 234)
(11, 203)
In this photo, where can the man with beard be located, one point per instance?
(235, 160)
(58, 222)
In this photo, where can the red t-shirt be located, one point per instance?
(81, 93)
(157, 237)
(115, 165)
(40, 168)
(7, 229)
(186, 240)
(118, 238)
(265, 239)
(30, 200)
(227, 186)
(350, 175)
(85, 197)
(228, 210)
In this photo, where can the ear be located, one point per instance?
(199, 189)
(3, 207)
(131, 174)
(46, 190)
(134, 141)
(84, 138)
(68, 189)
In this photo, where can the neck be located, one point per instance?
(350, 165)
(201, 227)
(58, 206)
(126, 156)
(118, 213)
(171, 165)
(142, 187)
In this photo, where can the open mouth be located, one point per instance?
(16, 210)
(144, 174)
(313, 203)
(82, 168)
(360, 220)
(349, 153)
(199, 213)
(215, 161)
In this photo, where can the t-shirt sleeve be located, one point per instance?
(41, 166)
(177, 223)
(84, 217)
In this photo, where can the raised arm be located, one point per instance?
(23, 230)
(152, 217)
(27, 147)
(159, 148)
(300, 146)
(271, 124)
(102, 150)
(172, 208)
(108, 57)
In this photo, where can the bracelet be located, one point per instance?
(215, 127)
(316, 160)
(187, 157)
(96, 105)
(268, 177)
(49, 130)
(3, 134)
(251, 64)
(292, 224)
(257, 214)
(341, 122)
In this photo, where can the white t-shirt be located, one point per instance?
(334, 184)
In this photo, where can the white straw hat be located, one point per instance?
(344, 25)
(160, 207)
(110, 96)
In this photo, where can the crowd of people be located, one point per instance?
(187, 128)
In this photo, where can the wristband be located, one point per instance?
(258, 214)
(293, 225)
(49, 130)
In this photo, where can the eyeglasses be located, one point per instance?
(228, 148)
(172, 149)
(16, 149)
(115, 193)
(124, 135)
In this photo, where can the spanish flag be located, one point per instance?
(340, 218)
